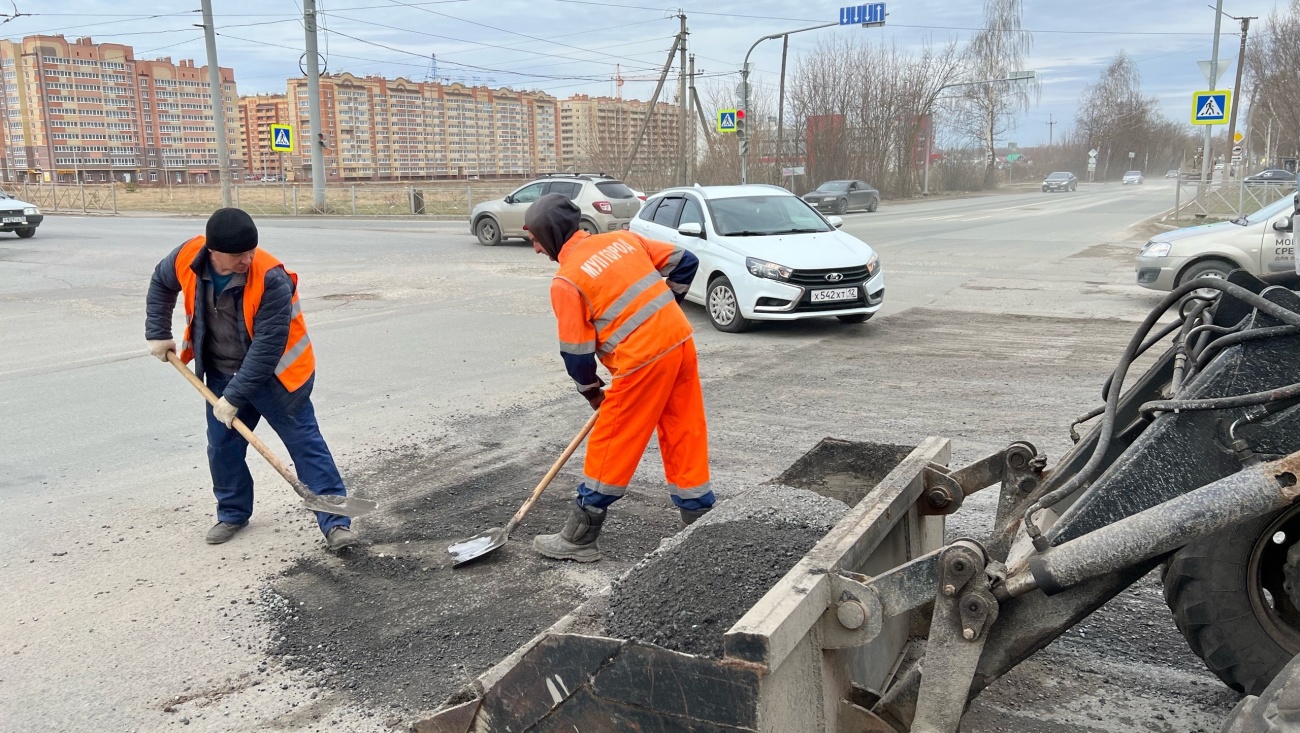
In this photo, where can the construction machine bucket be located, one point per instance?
(800, 657)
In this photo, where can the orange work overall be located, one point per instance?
(610, 299)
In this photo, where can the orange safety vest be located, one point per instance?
(298, 362)
(635, 315)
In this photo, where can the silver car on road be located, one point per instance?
(1258, 244)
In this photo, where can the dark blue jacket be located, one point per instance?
(271, 324)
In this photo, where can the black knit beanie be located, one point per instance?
(552, 220)
(231, 231)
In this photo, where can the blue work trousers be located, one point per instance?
(293, 418)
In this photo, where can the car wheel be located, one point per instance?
(875, 204)
(841, 206)
(855, 318)
(488, 232)
(724, 307)
(26, 233)
(1206, 268)
(588, 227)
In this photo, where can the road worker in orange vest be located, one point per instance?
(247, 337)
(616, 297)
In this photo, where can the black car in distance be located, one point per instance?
(838, 197)
(1060, 181)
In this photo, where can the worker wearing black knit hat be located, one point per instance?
(248, 339)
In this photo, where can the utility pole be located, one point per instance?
(780, 109)
(218, 104)
(1206, 165)
(650, 108)
(692, 147)
(314, 107)
(1236, 89)
(1051, 125)
(682, 120)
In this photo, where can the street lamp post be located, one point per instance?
(744, 89)
(1012, 77)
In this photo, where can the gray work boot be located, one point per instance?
(340, 537)
(690, 515)
(223, 531)
(577, 541)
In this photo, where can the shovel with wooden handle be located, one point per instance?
(347, 506)
(485, 542)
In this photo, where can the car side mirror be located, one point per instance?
(836, 221)
(1282, 225)
(691, 229)
(509, 199)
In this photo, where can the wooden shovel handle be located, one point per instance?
(243, 429)
(546, 480)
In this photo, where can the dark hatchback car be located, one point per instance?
(1060, 181)
(838, 197)
(1276, 176)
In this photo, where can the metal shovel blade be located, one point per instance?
(348, 506)
(478, 545)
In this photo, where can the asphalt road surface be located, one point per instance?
(435, 355)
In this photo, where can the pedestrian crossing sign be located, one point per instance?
(726, 120)
(1212, 107)
(282, 138)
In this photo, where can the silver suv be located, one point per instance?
(607, 205)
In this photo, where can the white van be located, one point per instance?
(1258, 244)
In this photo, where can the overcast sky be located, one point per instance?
(572, 46)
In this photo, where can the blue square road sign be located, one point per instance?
(1211, 107)
(282, 138)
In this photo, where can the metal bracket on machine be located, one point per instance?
(964, 610)
(1019, 468)
(862, 604)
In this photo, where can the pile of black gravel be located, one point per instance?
(687, 596)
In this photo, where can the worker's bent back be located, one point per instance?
(611, 299)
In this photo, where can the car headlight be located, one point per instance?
(32, 211)
(873, 266)
(1156, 249)
(769, 270)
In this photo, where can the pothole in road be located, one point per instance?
(393, 626)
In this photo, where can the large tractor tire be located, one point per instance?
(1231, 599)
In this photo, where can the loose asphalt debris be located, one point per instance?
(687, 594)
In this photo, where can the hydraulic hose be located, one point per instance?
(1289, 392)
(1085, 474)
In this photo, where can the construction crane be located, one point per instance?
(618, 80)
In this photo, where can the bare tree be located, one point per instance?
(1273, 73)
(1115, 119)
(868, 126)
(988, 111)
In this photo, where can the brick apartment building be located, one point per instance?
(597, 134)
(380, 129)
(256, 115)
(85, 111)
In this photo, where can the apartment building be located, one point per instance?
(85, 111)
(256, 115)
(378, 129)
(597, 134)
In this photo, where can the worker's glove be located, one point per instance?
(225, 412)
(594, 394)
(595, 398)
(159, 348)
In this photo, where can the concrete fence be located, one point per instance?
(431, 199)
